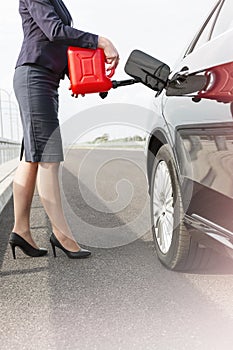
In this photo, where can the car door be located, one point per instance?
(201, 123)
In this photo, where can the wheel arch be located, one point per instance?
(156, 141)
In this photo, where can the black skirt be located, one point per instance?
(36, 90)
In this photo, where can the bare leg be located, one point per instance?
(23, 189)
(49, 191)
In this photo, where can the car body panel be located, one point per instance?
(200, 133)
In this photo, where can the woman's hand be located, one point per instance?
(111, 53)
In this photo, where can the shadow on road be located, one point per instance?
(6, 224)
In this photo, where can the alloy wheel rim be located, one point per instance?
(163, 210)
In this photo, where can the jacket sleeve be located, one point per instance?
(45, 16)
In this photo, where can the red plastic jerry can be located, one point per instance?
(220, 83)
(87, 71)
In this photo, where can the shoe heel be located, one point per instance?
(17, 241)
(13, 249)
(54, 249)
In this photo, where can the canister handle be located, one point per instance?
(112, 72)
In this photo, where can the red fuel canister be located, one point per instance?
(220, 83)
(87, 71)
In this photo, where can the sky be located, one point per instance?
(161, 28)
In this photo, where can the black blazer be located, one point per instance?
(47, 34)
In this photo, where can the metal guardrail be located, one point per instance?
(8, 150)
(10, 142)
(10, 127)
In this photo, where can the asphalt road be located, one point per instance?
(121, 297)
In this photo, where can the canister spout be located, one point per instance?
(116, 84)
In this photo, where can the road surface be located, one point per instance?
(121, 297)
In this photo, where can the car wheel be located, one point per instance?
(174, 245)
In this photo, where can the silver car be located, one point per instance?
(190, 146)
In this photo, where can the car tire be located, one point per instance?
(174, 246)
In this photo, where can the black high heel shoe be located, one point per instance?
(17, 241)
(82, 253)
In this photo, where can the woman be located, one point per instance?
(41, 64)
